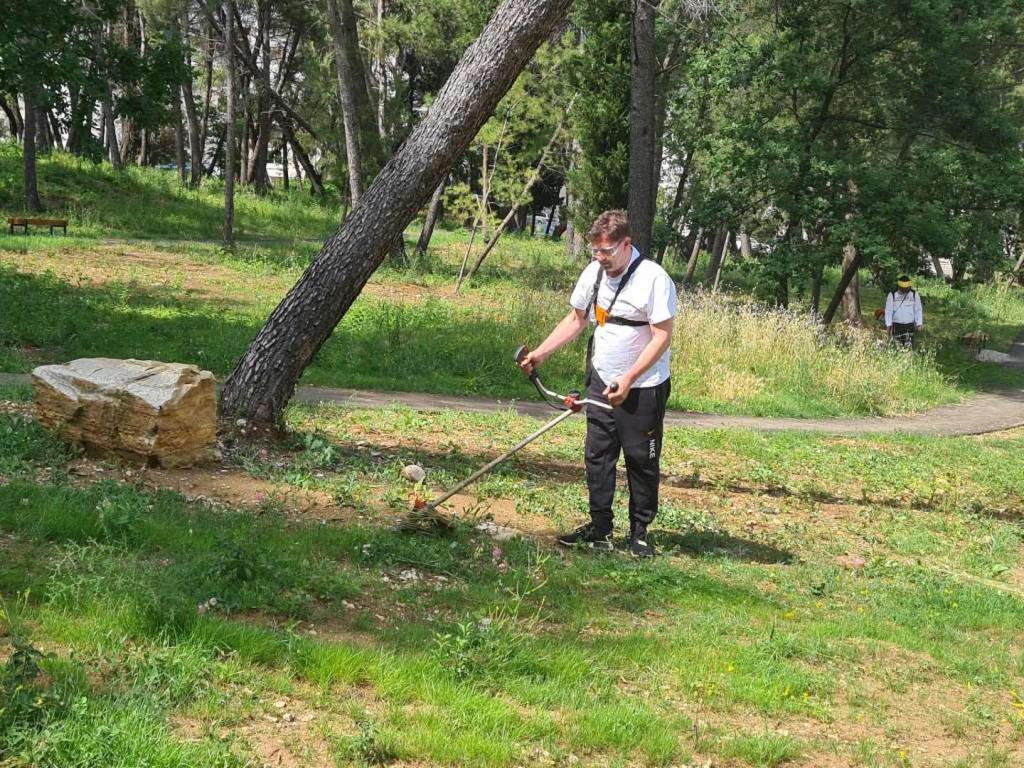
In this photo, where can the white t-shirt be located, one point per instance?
(649, 295)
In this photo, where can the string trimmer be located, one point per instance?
(425, 515)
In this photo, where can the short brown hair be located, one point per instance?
(611, 224)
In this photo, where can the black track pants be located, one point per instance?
(636, 429)
(903, 334)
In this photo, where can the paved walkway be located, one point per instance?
(987, 412)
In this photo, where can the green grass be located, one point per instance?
(506, 653)
(149, 203)
(170, 296)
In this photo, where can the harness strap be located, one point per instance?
(609, 318)
(624, 321)
(622, 284)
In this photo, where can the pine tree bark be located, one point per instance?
(691, 263)
(179, 137)
(433, 212)
(264, 379)
(849, 272)
(851, 296)
(816, 282)
(11, 122)
(113, 150)
(258, 169)
(746, 252)
(315, 180)
(29, 155)
(717, 255)
(347, 100)
(195, 143)
(675, 212)
(229, 129)
(642, 118)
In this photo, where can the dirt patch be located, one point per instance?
(284, 733)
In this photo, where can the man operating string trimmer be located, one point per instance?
(631, 301)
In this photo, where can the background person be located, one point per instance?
(904, 313)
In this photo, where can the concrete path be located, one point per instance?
(982, 413)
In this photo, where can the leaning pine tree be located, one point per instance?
(263, 381)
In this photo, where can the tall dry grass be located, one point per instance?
(742, 356)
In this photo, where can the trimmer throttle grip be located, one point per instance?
(520, 354)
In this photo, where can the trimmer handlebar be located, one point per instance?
(572, 401)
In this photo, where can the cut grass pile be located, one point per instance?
(177, 632)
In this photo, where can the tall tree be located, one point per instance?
(264, 379)
(32, 202)
(229, 128)
(643, 184)
(346, 49)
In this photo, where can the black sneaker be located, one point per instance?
(639, 545)
(588, 536)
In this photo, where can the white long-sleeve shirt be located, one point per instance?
(903, 308)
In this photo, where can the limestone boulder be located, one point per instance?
(164, 414)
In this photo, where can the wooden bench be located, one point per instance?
(25, 221)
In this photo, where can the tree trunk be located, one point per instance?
(195, 146)
(143, 158)
(179, 137)
(195, 143)
(642, 184)
(212, 165)
(18, 116)
(691, 264)
(675, 211)
(264, 379)
(284, 165)
(433, 212)
(382, 66)
(347, 97)
(746, 252)
(315, 181)
(717, 255)
(55, 137)
(12, 125)
(229, 127)
(816, 282)
(204, 130)
(849, 272)
(42, 133)
(851, 296)
(113, 150)
(12, 120)
(258, 169)
(244, 144)
(29, 156)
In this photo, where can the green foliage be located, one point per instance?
(599, 73)
(810, 133)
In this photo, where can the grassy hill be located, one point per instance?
(149, 203)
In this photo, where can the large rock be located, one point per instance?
(162, 413)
